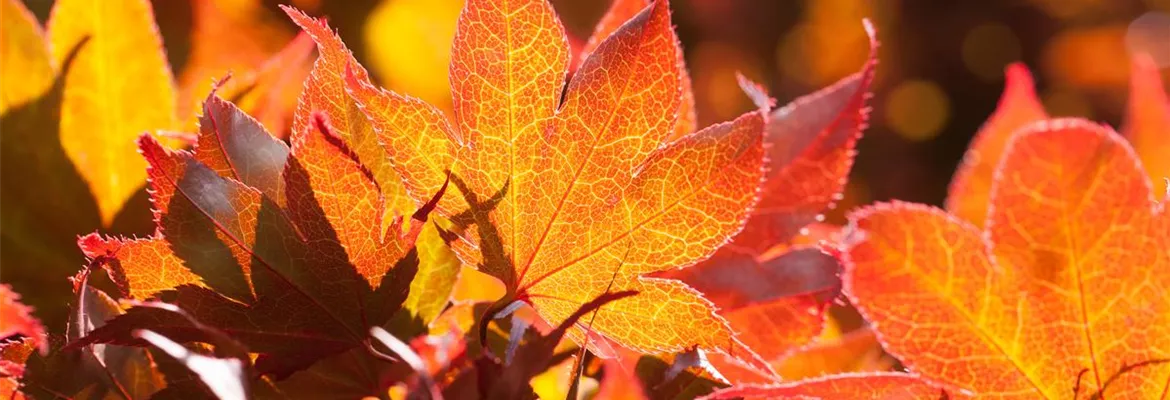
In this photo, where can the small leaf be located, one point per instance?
(970, 189)
(1147, 119)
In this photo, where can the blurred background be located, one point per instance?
(940, 73)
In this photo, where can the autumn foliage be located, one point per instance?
(316, 235)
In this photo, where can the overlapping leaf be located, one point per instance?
(100, 371)
(294, 283)
(772, 288)
(1043, 275)
(69, 161)
(325, 92)
(564, 199)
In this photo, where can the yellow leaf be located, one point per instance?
(118, 86)
(22, 54)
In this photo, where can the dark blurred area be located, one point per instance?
(939, 77)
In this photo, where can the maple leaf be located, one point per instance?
(1059, 293)
(562, 193)
(295, 284)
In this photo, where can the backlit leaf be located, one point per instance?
(1147, 121)
(811, 141)
(16, 319)
(1058, 296)
(558, 200)
(24, 54)
(772, 290)
(970, 189)
(325, 92)
(620, 12)
(118, 87)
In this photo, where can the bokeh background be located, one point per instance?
(940, 74)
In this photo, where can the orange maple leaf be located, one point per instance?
(567, 192)
(1061, 291)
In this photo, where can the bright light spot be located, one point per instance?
(713, 68)
(829, 44)
(1091, 57)
(987, 48)
(409, 46)
(1150, 34)
(917, 110)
